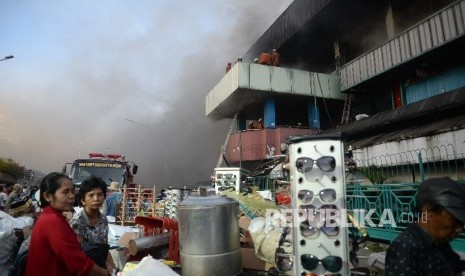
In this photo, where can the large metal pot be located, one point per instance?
(209, 236)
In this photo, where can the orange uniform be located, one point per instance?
(275, 58)
(264, 58)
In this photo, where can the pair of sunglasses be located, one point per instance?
(311, 230)
(325, 163)
(330, 263)
(227, 187)
(283, 260)
(227, 183)
(326, 195)
(311, 213)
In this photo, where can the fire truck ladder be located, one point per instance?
(346, 109)
(223, 148)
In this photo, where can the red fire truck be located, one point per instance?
(110, 167)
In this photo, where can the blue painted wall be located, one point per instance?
(313, 115)
(436, 85)
(270, 113)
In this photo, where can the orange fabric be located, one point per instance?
(275, 58)
(264, 58)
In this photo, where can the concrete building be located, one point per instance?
(388, 75)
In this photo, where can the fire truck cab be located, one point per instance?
(110, 167)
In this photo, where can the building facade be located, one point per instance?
(389, 75)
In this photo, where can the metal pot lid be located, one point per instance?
(206, 201)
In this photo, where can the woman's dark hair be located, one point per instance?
(88, 185)
(50, 185)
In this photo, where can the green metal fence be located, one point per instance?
(386, 186)
(263, 183)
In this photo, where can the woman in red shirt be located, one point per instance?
(54, 249)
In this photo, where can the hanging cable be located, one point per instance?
(324, 101)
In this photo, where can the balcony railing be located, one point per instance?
(252, 145)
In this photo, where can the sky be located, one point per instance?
(122, 76)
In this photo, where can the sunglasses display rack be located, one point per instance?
(320, 238)
(172, 199)
(229, 179)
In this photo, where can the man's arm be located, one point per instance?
(98, 271)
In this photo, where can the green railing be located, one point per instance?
(387, 185)
(387, 203)
(263, 183)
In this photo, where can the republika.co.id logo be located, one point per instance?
(331, 216)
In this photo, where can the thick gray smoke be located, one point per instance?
(131, 80)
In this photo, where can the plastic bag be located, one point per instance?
(7, 248)
(20, 223)
(149, 266)
(265, 238)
